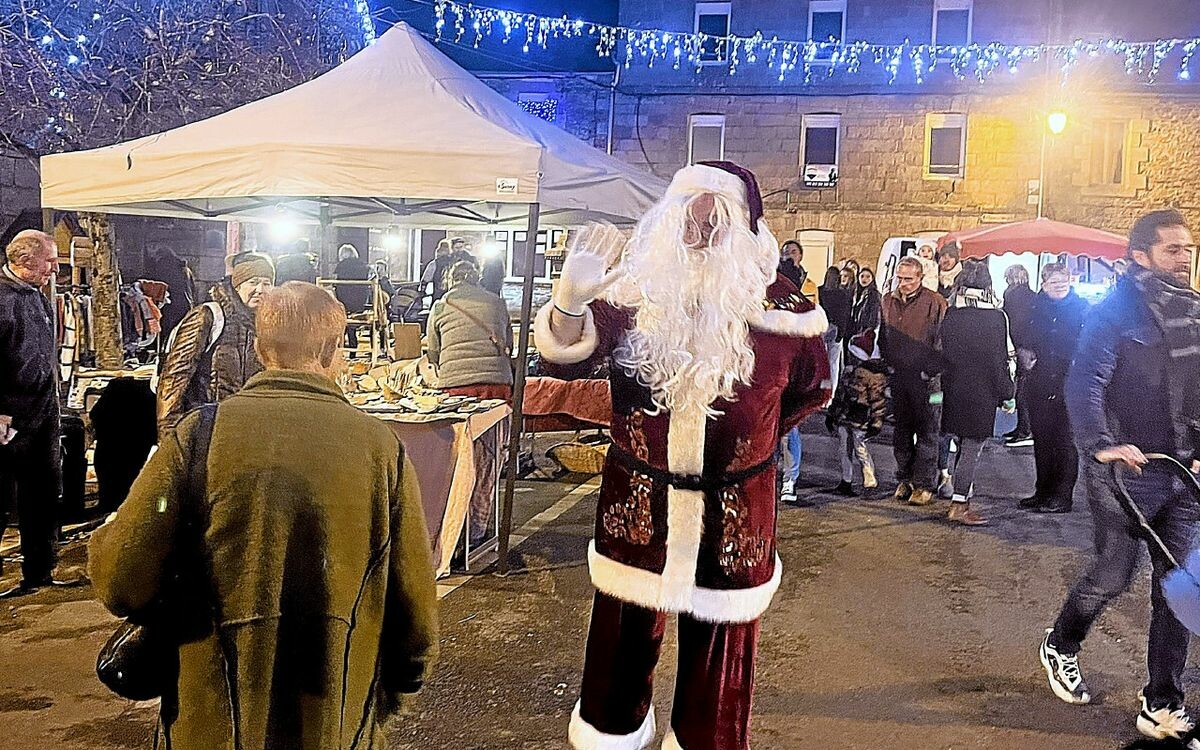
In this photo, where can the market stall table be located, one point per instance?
(458, 457)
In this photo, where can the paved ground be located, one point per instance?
(892, 629)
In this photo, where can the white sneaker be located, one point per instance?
(1063, 672)
(1167, 723)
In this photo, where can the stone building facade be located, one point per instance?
(1128, 147)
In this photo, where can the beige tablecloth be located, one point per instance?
(458, 459)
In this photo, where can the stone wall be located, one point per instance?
(883, 191)
(583, 100)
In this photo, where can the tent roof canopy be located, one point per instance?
(1037, 236)
(396, 134)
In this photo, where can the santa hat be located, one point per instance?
(863, 345)
(731, 181)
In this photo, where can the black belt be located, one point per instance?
(694, 482)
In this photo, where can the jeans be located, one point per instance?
(854, 451)
(969, 452)
(793, 456)
(915, 438)
(1173, 515)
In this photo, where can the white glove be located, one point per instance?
(586, 272)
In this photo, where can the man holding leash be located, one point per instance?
(1134, 388)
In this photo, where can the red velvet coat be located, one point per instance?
(709, 553)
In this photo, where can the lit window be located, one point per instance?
(951, 23)
(819, 136)
(1106, 156)
(712, 19)
(706, 138)
(826, 23)
(945, 145)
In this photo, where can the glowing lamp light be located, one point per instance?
(1057, 122)
(284, 229)
(490, 250)
(391, 238)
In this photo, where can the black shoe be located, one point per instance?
(1011, 434)
(1054, 506)
(845, 489)
(1033, 502)
(21, 589)
(1019, 441)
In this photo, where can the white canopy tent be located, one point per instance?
(398, 134)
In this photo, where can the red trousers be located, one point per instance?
(714, 680)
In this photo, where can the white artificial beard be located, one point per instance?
(690, 342)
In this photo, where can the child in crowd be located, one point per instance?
(858, 410)
(929, 267)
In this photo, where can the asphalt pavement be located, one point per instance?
(893, 628)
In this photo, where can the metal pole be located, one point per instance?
(1041, 205)
(514, 437)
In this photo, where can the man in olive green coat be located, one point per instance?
(316, 543)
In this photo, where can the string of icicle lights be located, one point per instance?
(809, 58)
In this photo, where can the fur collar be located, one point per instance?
(807, 324)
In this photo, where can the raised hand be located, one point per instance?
(587, 272)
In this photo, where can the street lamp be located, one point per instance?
(1056, 123)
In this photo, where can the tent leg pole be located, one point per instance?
(514, 437)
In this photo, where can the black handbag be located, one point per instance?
(140, 661)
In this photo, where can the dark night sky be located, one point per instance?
(561, 55)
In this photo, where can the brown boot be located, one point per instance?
(962, 513)
(920, 497)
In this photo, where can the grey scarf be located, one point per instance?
(1176, 309)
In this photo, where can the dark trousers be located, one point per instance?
(915, 438)
(30, 483)
(1173, 515)
(1024, 417)
(713, 685)
(1054, 453)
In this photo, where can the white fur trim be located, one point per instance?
(685, 508)
(584, 736)
(800, 325)
(646, 589)
(671, 742)
(699, 178)
(549, 346)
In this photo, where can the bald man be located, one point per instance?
(30, 468)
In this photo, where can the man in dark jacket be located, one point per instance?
(1134, 388)
(910, 339)
(1018, 306)
(213, 354)
(30, 429)
(1054, 327)
(313, 546)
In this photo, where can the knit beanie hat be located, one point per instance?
(247, 266)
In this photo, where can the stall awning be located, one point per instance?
(397, 133)
(1037, 236)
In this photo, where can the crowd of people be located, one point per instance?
(297, 618)
(950, 352)
(1108, 384)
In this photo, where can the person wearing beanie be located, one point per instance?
(858, 410)
(211, 354)
(711, 360)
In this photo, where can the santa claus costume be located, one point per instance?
(713, 359)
